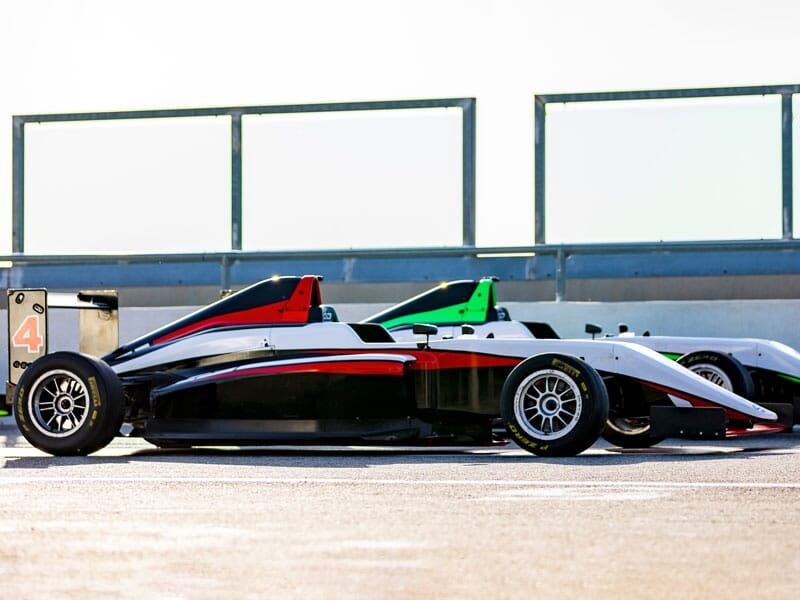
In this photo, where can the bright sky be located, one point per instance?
(96, 55)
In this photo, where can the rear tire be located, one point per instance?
(554, 405)
(69, 404)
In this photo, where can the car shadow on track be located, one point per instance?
(329, 457)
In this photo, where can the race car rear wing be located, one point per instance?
(98, 329)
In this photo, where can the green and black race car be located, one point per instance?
(764, 371)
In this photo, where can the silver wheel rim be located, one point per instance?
(548, 404)
(58, 403)
(713, 374)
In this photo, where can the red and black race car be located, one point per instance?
(270, 364)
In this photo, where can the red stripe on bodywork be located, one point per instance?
(438, 360)
(459, 360)
(379, 367)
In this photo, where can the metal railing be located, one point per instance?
(555, 263)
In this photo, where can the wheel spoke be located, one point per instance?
(548, 425)
(564, 421)
(72, 420)
(55, 422)
(53, 393)
(532, 411)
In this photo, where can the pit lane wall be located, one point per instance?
(770, 319)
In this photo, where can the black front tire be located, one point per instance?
(554, 405)
(69, 404)
(628, 424)
(629, 432)
(722, 369)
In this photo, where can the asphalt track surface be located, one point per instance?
(682, 520)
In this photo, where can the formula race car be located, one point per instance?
(764, 371)
(271, 364)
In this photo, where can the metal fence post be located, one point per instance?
(561, 275)
(236, 180)
(538, 168)
(786, 165)
(18, 187)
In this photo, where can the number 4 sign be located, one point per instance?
(27, 329)
(28, 335)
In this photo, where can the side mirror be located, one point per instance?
(426, 330)
(593, 329)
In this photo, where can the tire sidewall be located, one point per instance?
(592, 416)
(105, 398)
(741, 380)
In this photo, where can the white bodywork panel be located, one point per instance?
(613, 357)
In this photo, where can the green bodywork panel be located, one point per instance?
(474, 309)
(789, 378)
